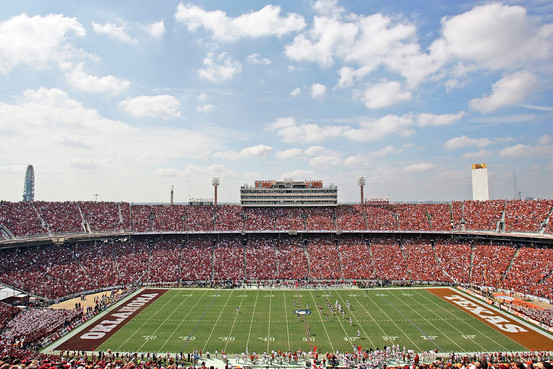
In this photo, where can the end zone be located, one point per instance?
(527, 337)
(99, 331)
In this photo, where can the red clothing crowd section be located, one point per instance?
(57, 218)
(55, 271)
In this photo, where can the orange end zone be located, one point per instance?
(504, 324)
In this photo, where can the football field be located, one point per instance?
(288, 320)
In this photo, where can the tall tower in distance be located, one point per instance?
(29, 186)
(480, 191)
(172, 193)
(361, 181)
(215, 182)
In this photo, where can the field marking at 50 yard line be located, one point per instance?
(217, 321)
(357, 321)
(182, 321)
(339, 320)
(422, 294)
(234, 321)
(304, 323)
(324, 325)
(143, 324)
(394, 322)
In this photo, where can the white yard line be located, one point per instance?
(324, 325)
(218, 318)
(394, 323)
(286, 318)
(357, 321)
(251, 321)
(182, 320)
(234, 322)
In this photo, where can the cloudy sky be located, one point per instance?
(126, 99)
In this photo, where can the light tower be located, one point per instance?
(29, 186)
(215, 182)
(361, 181)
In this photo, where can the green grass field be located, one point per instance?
(205, 319)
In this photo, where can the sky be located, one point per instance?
(125, 99)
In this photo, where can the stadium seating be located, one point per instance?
(526, 215)
(421, 261)
(21, 219)
(261, 259)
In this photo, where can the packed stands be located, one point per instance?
(259, 219)
(526, 215)
(292, 260)
(60, 217)
(289, 219)
(477, 215)
(421, 261)
(490, 263)
(229, 218)
(105, 216)
(324, 262)
(355, 258)
(454, 258)
(164, 262)
(531, 271)
(131, 260)
(7, 313)
(199, 218)
(97, 259)
(21, 219)
(228, 259)
(34, 324)
(320, 219)
(350, 218)
(261, 259)
(388, 259)
(381, 218)
(197, 259)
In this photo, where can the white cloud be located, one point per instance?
(205, 108)
(262, 23)
(202, 96)
(38, 41)
(432, 120)
(463, 141)
(258, 151)
(509, 90)
(419, 167)
(50, 120)
(289, 131)
(318, 90)
(295, 92)
(521, 150)
(366, 158)
(156, 30)
(255, 58)
(220, 68)
(325, 160)
(113, 30)
(494, 36)
(160, 106)
(375, 129)
(545, 139)
(477, 155)
(82, 81)
(289, 154)
(385, 94)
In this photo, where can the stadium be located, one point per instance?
(288, 278)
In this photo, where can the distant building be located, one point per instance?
(288, 193)
(480, 189)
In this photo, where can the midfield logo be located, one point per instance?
(302, 312)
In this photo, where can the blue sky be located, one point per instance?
(126, 99)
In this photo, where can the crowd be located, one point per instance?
(7, 313)
(24, 219)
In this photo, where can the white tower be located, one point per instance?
(215, 182)
(480, 190)
(361, 181)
